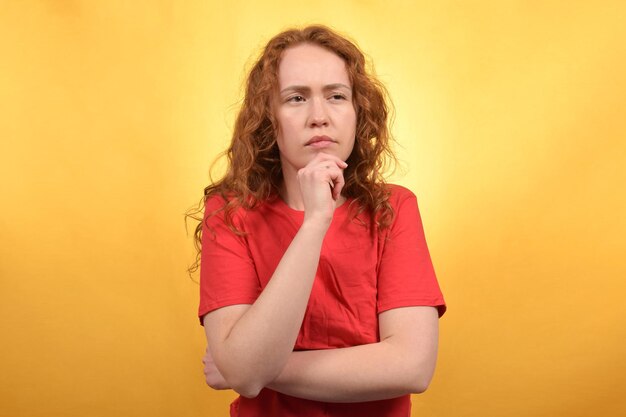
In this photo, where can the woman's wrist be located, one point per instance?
(316, 224)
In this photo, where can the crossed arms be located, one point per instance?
(251, 346)
(402, 362)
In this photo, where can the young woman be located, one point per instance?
(317, 292)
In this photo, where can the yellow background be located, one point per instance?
(512, 131)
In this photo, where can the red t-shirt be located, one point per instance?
(361, 273)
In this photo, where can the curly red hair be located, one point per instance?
(254, 172)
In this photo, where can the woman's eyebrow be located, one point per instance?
(298, 88)
(336, 86)
(306, 89)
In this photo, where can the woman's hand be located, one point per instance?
(213, 377)
(321, 182)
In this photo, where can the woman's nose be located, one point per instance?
(318, 116)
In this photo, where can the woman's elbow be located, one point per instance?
(248, 390)
(248, 384)
(421, 378)
(419, 386)
(248, 381)
(247, 387)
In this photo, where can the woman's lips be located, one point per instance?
(320, 142)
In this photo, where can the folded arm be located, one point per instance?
(403, 362)
(239, 335)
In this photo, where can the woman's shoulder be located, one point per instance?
(218, 206)
(398, 194)
(217, 201)
(222, 205)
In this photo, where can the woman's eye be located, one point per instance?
(296, 99)
(338, 97)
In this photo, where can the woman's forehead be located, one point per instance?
(308, 64)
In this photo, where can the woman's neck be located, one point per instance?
(290, 190)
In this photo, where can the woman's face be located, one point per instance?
(314, 107)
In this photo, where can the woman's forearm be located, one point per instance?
(259, 344)
(370, 372)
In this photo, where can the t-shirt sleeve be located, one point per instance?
(227, 272)
(406, 276)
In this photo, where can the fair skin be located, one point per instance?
(316, 116)
(251, 346)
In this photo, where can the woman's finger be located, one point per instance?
(327, 159)
(339, 183)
